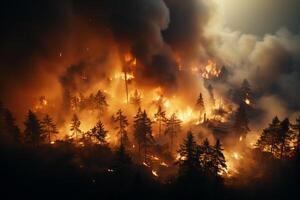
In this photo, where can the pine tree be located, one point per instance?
(189, 154)
(136, 99)
(296, 127)
(241, 127)
(100, 102)
(218, 159)
(269, 137)
(206, 157)
(245, 92)
(284, 138)
(122, 123)
(200, 106)
(160, 117)
(49, 127)
(122, 158)
(33, 130)
(99, 133)
(143, 132)
(173, 127)
(75, 126)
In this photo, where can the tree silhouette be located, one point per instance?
(296, 127)
(200, 106)
(99, 133)
(218, 159)
(284, 138)
(49, 127)
(268, 139)
(173, 127)
(75, 126)
(143, 132)
(245, 92)
(160, 117)
(121, 121)
(206, 157)
(100, 102)
(241, 127)
(136, 99)
(189, 154)
(33, 130)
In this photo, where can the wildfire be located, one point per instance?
(210, 70)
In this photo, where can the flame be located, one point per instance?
(210, 70)
(154, 173)
(247, 101)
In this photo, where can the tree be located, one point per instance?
(100, 102)
(33, 130)
(200, 106)
(269, 137)
(49, 127)
(122, 123)
(143, 132)
(241, 127)
(284, 138)
(189, 154)
(245, 92)
(122, 158)
(160, 117)
(218, 159)
(99, 133)
(136, 99)
(296, 127)
(173, 127)
(206, 159)
(75, 126)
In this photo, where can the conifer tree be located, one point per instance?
(284, 138)
(296, 127)
(121, 121)
(218, 159)
(143, 132)
(49, 127)
(241, 127)
(245, 91)
(136, 99)
(206, 157)
(33, 130)
(160, 117)
(269, 137)
(173, 127)
(189, 154)
(75, 126)
(200, 106)
(99, 133)
(100, 102)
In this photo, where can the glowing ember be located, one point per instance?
(154, 173)
(247, 101)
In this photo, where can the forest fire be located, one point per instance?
(126, 100)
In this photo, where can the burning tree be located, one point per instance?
(143, 132)
(99, 133)
(136, 99)
(122, 123)
(173, 127)
(241, 122)
(33, 130)
(49, 128)
(218, 159)
(246, 93)
(276, 138)
(160, 118)
(75, 126)
(296, 127)
(100, 102)
(200, 106)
